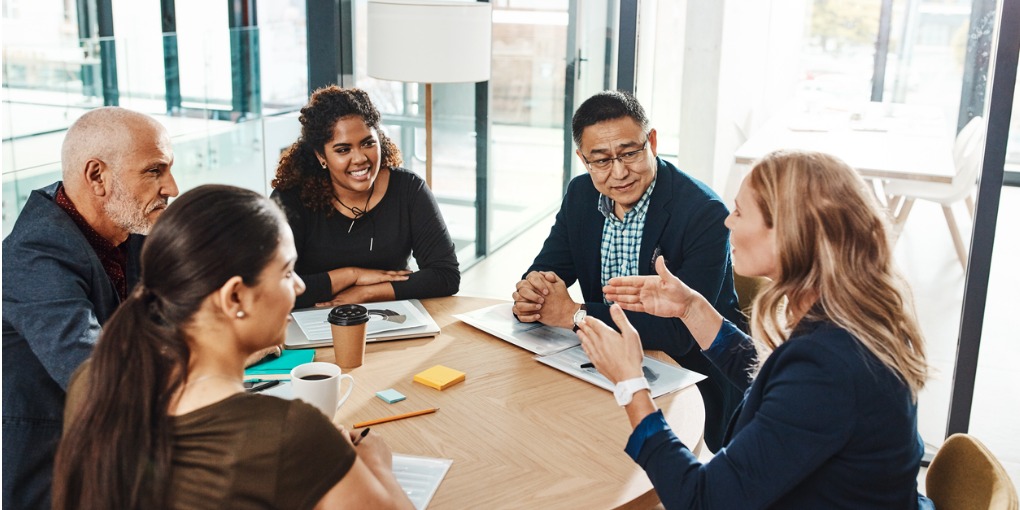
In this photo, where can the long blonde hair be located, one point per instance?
(833, 249)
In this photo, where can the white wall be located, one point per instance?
(739, 67)
(758, 75)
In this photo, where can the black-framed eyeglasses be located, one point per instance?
(627, 158)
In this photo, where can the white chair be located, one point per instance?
(967, 152)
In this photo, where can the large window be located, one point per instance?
(207, 82)
(996, 390)
(886, 85)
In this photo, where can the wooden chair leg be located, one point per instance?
(954, 230)
(900, 219)
(878, 191)
(970, 205)
(893, 202)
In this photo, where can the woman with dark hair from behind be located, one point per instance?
(832, 371)
(158, 418)
(357, 216)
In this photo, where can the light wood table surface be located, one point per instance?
(521, 434)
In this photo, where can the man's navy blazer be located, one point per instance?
(684, 224)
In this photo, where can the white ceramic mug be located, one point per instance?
(323, 392)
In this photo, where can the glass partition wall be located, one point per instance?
(227, 82)
(198, 81)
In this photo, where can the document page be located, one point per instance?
(382, 317)
(420, 476)
(499, 321)
(662, 377)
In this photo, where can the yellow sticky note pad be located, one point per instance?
(440, 377)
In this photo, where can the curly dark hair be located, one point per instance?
(299, 167)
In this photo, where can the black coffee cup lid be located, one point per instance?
(348, 315)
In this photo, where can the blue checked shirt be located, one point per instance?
(621, 239)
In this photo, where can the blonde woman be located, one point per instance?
(831, 371)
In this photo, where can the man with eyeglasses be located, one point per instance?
(631, 208)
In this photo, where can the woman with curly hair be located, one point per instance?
(357, 216)
(832, 372)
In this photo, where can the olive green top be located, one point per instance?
(252, 451)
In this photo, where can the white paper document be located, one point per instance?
(499, 321)
(662, 377)
(420, 476)
(382, 317)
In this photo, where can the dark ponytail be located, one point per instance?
(116, 451)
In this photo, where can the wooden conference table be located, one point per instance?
(882, 141)
(521, 434)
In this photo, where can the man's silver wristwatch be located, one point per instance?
(625, 390)
(579, 316)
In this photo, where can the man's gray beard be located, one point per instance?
(126, 212)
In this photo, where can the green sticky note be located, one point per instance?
(282, 365)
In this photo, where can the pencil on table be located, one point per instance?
(395, 417)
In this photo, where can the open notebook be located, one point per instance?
(388, 320)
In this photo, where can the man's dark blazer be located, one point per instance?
(684, 224)
(56, 296)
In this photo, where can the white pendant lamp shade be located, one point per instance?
(429, 41)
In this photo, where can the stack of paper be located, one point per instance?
(560, 348)
(388, 320)
(662, 378)
(499, 321)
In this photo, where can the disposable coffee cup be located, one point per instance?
(319, 384)
(348, 324)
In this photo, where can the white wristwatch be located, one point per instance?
(625, 390)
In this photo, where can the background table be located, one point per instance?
(882, 141)
(521, 434)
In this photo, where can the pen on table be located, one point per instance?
(587, 365)
(362, 436)
(395, 417)
(264, 385)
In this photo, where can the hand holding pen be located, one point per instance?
(372, 450)
(361, 436)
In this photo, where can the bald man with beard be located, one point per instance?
(70, 260)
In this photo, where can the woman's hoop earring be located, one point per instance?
(323, 163)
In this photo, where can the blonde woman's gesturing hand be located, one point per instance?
(663, 295)
(616, 356)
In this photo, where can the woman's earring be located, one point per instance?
(240, 314)
(323, 163)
